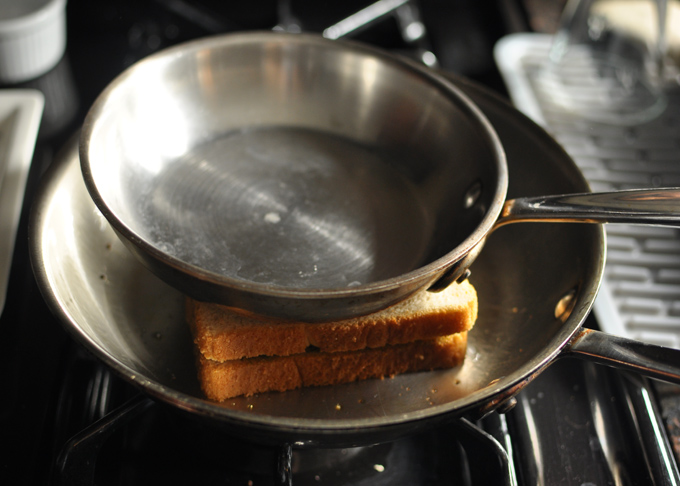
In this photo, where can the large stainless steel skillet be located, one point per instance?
(536, 285)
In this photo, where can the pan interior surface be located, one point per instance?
(296, 208)
(134, 321)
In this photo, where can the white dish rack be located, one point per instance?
(640, 294)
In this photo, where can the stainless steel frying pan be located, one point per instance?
(305, 178)
(536, 285)
(292, 175)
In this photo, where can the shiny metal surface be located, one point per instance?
(134, 321)
(656, 207)
(648, 359)
(291, 175)
(599, 409)
(361, 19)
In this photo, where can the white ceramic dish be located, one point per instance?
(20, 115)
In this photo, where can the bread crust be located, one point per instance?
(245, 354)
(247, 377)
(222, 334)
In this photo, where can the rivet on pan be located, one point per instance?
(565, 305)
(466, 275)
(507, 405)
(472, 195)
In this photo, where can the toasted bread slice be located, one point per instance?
(228, 379)
(223, 334)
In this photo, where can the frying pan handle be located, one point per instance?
(656, 207)
(647, 359)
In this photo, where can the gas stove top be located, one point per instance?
(576, 424)
(69, 420)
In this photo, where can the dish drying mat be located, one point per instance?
(640, 293)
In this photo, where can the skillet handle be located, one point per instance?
(655, 207)
(647, 359)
